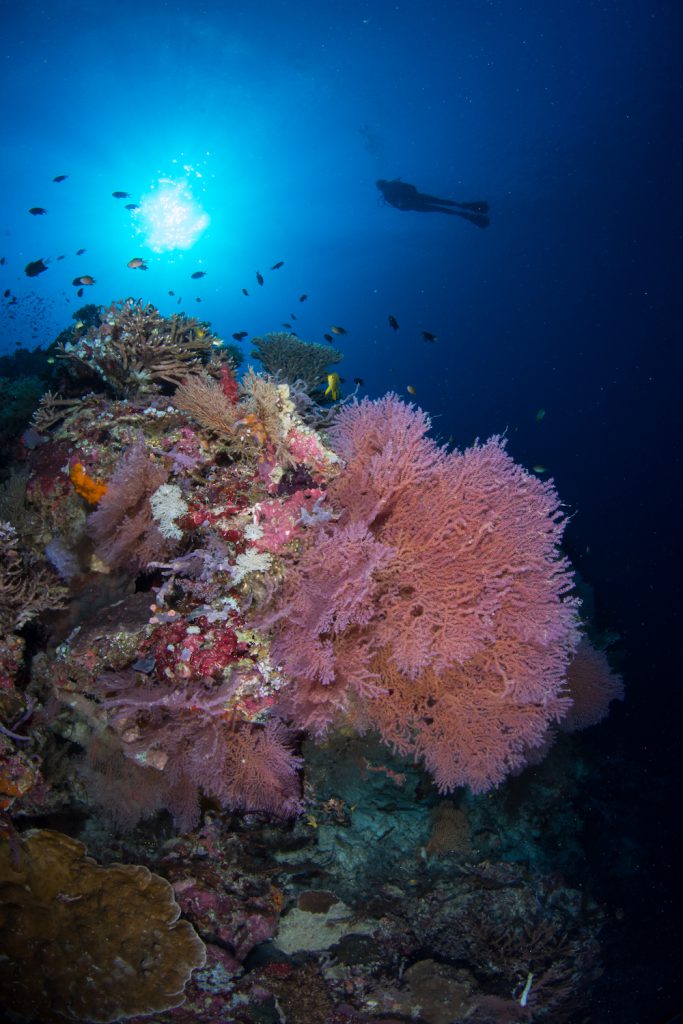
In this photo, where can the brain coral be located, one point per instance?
(84, 942)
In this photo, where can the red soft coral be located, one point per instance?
(442, 585)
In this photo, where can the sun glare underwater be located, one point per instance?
(169, 217)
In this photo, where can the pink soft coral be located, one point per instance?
(442, 587)
(182, 740)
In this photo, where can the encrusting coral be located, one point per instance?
(84, 942)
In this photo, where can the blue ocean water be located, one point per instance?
(266, 125)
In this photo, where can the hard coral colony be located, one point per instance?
(241, 578)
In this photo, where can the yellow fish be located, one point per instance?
(411, 390)
(333, 386)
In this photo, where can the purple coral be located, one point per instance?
(188, 742)
(123, 525)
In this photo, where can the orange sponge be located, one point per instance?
(91, 490)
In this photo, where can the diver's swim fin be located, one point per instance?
(474, 218)
(480, 207)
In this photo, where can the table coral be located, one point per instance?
(84, 942)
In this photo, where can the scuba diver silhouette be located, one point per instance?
(403, 196)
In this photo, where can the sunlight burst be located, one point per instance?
(170, 218)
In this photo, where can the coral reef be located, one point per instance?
(231, 612)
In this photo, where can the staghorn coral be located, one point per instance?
(84, 942)
(51, 409)
(135, 350)
(288, 357)
(27, 588)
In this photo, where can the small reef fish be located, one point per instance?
(288, 326)
(540, 414)
(3, 261)
(411, 390)
(61, 177)
(393, 322)
(240, 335)
(131, 206)
(79, 293)
(338, 330)
(302, 298)
(84, 279)
(259, 277)
(61, 257)
(121, 195)
(38, 211)
(79, 252)
(292, 316)
(137, 263)
(276, 266)
(428, 336)
(359, 381)
(245, 292)
(35, 268)
(197, 274)
(197, 300)
(328, 337)
(333, 386)
(539, 469)
(172, 293)
(7, 293)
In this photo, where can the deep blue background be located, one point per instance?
(564, 116)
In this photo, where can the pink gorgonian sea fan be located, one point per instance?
(593, 685)
(452, 624)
